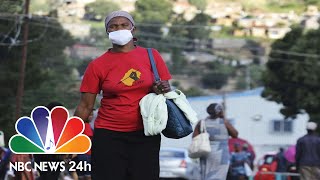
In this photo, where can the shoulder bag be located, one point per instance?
(200, 145)
(178, 126)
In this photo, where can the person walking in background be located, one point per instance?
(237, 163)
(216, 164)
(245, 149)
(124, 76)
(4, 161)
(308, 154)
(282, 162)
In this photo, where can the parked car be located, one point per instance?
(175, 163)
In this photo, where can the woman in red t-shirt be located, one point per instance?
(120, 150)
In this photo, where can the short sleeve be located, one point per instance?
(161, 66)
(91, 81)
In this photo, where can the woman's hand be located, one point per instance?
(161, 87)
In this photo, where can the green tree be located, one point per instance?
(176, 30)
(201, 29)
(252, 72)
(193, 91)
(217, 76)
(178, 62)
(98, 37)
(255, 73)
(200, 4)
(99, 9)
(45, 6)
(175, 42)
(47, 76)
(214, 80)
(177, 36)
(292, 77)
(7, 93)
(311, 2)
(158, 11)
(151, 17)
(198, 32)
(11, 6)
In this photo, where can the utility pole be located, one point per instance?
(20, 89)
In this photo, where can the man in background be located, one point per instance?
(308, 154)
(281, 163)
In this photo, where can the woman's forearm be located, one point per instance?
(83, 112)
(231, 130)
(85, 106)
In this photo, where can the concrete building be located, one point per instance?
(277, 33)
(77, 30)
(312, 22)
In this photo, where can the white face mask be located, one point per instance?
(120, 37)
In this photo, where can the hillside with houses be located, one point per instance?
(244, 22)
(238, 42)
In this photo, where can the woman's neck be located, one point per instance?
(126, 48)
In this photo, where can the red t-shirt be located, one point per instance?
(124, 79)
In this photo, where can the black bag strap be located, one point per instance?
(153, 65)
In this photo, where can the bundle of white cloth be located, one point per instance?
(154, 110)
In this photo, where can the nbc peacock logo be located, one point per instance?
(49, 132)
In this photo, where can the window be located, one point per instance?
(282, 126)
(287, 126)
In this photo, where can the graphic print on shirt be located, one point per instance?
(130, 77)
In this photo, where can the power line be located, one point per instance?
(8, 33)
(168, 38)
(173, 25)
(14, 42)
(39, 23)
(296, 53)
(212, 50)
(215, 50)
(28, 15)
(17, 32)
(167, 44)
(292, 61)
(141, 24)
(147, 34)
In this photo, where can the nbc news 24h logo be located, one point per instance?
(49, 132)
